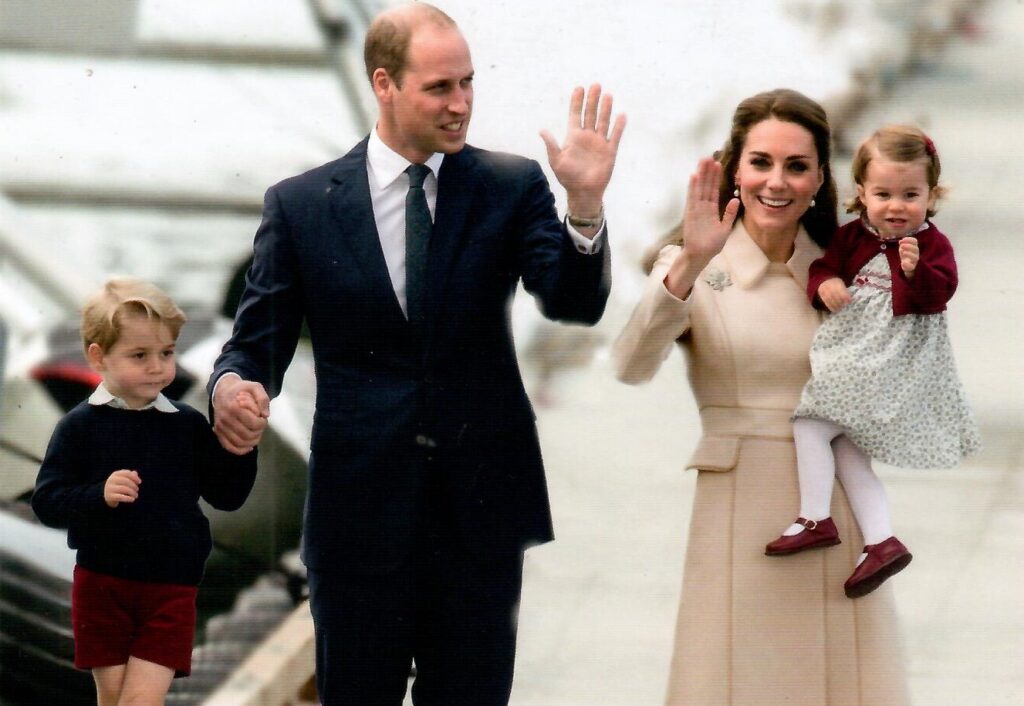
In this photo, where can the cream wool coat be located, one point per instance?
(755, 630)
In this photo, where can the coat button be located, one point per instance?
(424, 440)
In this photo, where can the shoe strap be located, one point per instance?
(809, 524)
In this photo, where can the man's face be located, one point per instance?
(430, 111)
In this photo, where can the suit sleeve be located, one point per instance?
(64, 493)
(935, 278)
(568, 285)
(270, 313)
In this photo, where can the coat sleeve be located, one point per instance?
(935, 278)
(569, 285)
(270, 312)
(657, 321)
(65, 494)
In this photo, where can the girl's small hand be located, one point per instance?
(121, 487)
(834, 294)
(909, 254)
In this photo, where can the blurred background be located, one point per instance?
(137, 137)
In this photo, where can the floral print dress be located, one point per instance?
(890, 381)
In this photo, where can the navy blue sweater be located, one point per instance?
(162, 537)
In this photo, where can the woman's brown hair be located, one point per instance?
(790, 106)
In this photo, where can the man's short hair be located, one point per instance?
(104, 312)
(387, 41)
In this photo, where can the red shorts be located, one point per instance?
(114, 619)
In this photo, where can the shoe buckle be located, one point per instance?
(810, 524)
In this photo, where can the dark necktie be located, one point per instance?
(417, 236)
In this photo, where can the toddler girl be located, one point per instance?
(883, 382)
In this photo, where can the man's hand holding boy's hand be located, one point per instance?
(121, 487)
(241, 409)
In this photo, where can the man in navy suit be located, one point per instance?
(426, 483)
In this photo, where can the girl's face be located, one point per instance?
(896, 196)
(777, 175)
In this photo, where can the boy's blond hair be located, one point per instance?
(104, 311)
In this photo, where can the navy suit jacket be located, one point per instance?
(386, 401)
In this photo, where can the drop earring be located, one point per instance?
(736, 192)
(813, 203)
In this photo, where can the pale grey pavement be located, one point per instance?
(598, 612)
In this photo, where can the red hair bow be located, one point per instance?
(929, 146)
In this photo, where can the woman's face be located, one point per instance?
(778, 175)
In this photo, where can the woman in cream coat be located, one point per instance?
(755, 630)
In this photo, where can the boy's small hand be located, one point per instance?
(834, 294)
(247, 402)
(121, 487)
(909, 255)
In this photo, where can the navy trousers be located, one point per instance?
(451, 613)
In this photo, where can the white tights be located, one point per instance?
(823, 452)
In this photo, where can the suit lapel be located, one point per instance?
(355, 225)
(456, 189)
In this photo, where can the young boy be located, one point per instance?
(123, 473)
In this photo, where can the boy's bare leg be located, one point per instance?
(108, 684)
(145, 683)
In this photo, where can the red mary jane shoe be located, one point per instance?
(882, 561)
(822, 533)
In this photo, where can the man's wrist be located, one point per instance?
(582, 220)
(213, 394)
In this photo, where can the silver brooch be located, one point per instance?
(717, 279)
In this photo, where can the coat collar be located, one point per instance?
(747, 264)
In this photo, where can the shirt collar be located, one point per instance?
(747, 263)
(387, 165)
(101, 396)
(874, 231)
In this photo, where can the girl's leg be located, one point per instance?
(863, 489)
(816, 468)
(108, 684)
(145, 683)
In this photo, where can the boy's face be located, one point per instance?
(140, 364)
